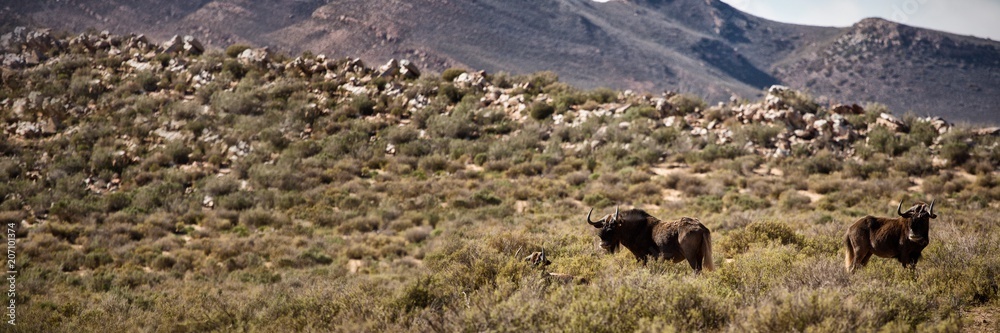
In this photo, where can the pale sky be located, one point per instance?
(980, 18)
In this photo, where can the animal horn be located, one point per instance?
(932, 207)
(616, 213)
(596, 224)
(898, 207)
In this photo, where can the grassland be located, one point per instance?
(211, 193)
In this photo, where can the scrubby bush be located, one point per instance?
(791, 200)
(236, 102)
(761, 232)
(686, 103)
(451, 73)
(541, 110)
(234, 50)
(420, 199)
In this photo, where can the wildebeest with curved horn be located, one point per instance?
(902, 237)
(646, 236)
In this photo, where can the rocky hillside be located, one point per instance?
(905, 67)
(188, 189)
(166, 98)
(700, 46)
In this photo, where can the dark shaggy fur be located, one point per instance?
(903, 237)
(647, 236)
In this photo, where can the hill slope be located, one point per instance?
(700, 46)
(144, 187)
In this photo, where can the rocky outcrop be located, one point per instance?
(403, 68)
(793, 121)
(186, 44)
(23, 48)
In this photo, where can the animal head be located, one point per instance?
(919, 217)
(608, 230)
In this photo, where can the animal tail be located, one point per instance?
(849, 255)
(706, 249)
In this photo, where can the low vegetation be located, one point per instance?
(215, 192)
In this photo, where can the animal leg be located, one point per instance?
(849, 255)
(641, 259)
(864, 258)
(860, 254)
(691, 250)
(695, 263)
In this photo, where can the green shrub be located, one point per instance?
(450, 93)
(791, 200)
(744, 202)
(762, 232)
(873, 167)
(686, 103)
(956, 152)
(881, 139)
(823, 162)
(451, 73)
(256, 218)
(235, 50)
(219, 186)
(236, 201)
(759, 134)
(433, 163)
(915, 162)
(541, 110)
(116, 201)
(359, 224)
(236, 102)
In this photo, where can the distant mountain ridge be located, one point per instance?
(700, 46)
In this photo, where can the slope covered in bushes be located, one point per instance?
(161, 188)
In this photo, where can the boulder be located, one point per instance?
(258, 57)
(939, 124)
(892, 123)
(988, 131)
(390, 68)
(193, 46)
(847, 109)
(186, 44)
(805, 134)
(355, 66)
(173, 45)
(408, 69)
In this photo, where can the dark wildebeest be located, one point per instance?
(647, 236)
(902, 237)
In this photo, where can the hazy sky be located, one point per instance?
(980, 18)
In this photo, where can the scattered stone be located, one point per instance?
(193, 46)
(257, 57)
(847, 109)
(408, 69)
(989, 131)
(892, 123)
(186, 44)
(173, 45)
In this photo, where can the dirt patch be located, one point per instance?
(764, 170)
(354, 264)
(521, 205)
(664, 169)
(918, 184)
(982, 319)
(672, 195)
(813, 196)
